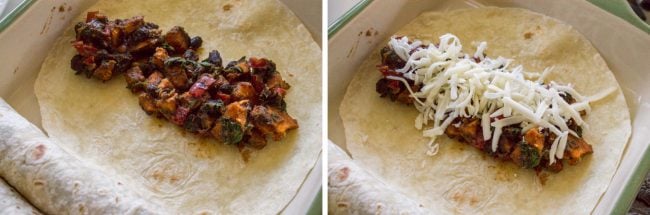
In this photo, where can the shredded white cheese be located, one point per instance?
(454, 84)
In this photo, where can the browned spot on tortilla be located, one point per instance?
(343, 174)
(15, 70)
(227, 7)
(368, 33)
(342, 204)
(165, 174)
(82, 209)
(376, 32)
(290, 74)
(174, 178)
(473, 201)
(38, 152)
(39, 183)
(360, 33)
(528, 35)
(458, 197)
(538, 27)
(158, 175)
(69, 8)
(62, 8)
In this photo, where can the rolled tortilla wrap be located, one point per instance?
(55, 181)
(352, 190)
(11, 202)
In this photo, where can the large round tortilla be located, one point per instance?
(460, 179)
(102, 123)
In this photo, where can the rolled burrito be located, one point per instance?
(55, 181)
(352, 190)
(11, 202)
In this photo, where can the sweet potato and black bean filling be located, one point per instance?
(528, 147)
(240, 103)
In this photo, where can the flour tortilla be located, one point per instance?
(11, 202)
(103, 124)
(353, 190)
(380, 134)
(55, 181)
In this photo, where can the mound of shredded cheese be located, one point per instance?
(454, 84)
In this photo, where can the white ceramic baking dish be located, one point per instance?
(31, 28)
(624, 47)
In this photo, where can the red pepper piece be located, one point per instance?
(257, 62)
(199, 88)
(180, 115)
(84, 49)
(224, 97)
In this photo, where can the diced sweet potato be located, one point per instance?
(576, 148)
(270, 120)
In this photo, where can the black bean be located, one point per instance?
(196, 42)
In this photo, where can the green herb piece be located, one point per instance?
(231, 131)
(529, 155)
